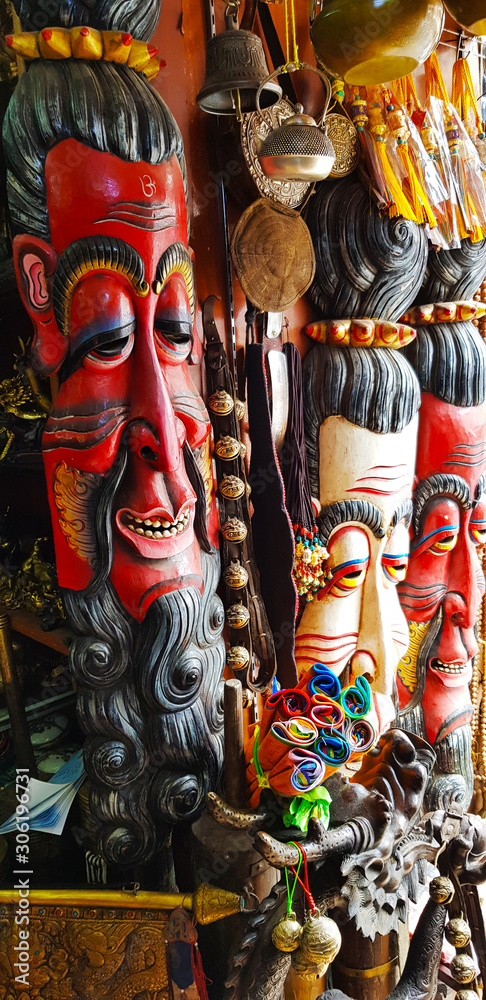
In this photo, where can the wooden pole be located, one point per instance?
(234, 757)
(24, 753)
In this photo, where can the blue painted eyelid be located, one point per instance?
(446, 527)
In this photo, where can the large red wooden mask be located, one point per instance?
(112, 301)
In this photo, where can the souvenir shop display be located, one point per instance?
(264, 463)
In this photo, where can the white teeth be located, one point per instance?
(173, 530)
(180, 527)
(130, 517)
(131, 527)
(449, 668)
(148, 534)
(166, 534)
(138, 520)
(156, 524)
(139, 531)
(166, 524)
(157, 534)
(170, 527)
(148, 522)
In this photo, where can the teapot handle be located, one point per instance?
(292, 68)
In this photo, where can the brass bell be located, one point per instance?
(298, 150)
(463, 969)
(235, 69)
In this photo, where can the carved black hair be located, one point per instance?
(450, 362)
(371, 388)
(139, 17)
(454, 274)
(349, 510)
(366, 263)
(104, 106)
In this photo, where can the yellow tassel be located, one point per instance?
(401, 205)
(86, 43)
(420, 201)
(55, 43)
(116, 46)
(25, 44)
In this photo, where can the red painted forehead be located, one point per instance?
(452, 439)
(91, 193)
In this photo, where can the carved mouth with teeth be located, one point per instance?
(448, 668)
(155, 527)
(156, 534)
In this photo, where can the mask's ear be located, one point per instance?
(196, 354)
(35, 264)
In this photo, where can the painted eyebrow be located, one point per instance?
(442, 484)
(480, 489)
(175, 260)
(349, 510)
(403, 513)
(94, 253)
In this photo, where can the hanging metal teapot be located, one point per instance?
(299, 150)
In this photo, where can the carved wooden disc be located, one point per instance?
(345, 141)
(255, 128)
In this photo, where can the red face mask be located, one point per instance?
(444, 569)
(117, 323)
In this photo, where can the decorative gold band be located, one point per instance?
(444, 312)
(86, 43)
(379, 970)
(361, 333)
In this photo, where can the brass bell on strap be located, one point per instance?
(235, 69)
(299, 150)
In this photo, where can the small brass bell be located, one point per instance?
(237, 658)
(441, 889)
(287, 934)
(235, 575)
(458, 932)
(321, 939)
(463, 969)
(298, 150)
(235, 70)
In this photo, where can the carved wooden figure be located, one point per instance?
(360, 409)
(445, 583)
(97, 196)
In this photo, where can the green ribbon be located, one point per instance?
(312, 805)
(263, 781)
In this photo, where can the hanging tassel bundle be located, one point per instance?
(399, 203)
(359, 116)
(309, 565)
(417, 194)
(467, 209)
(465, 102)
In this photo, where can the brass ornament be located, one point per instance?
(231, 487)
(321, 939)
(458, 932)
(463, 969)
(466, 995)
(234, 530)
(237, 616)
(221, 403)
(235, 576)
(287, 934)
(227, 448)
(345, 142)
(254, 129)
(240, 412)
(441, 889)
(210, 904)
(237, 658)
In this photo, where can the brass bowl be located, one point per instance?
(470, 14)
(369, 41)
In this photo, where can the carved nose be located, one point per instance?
(143, 441)
(456, 609)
